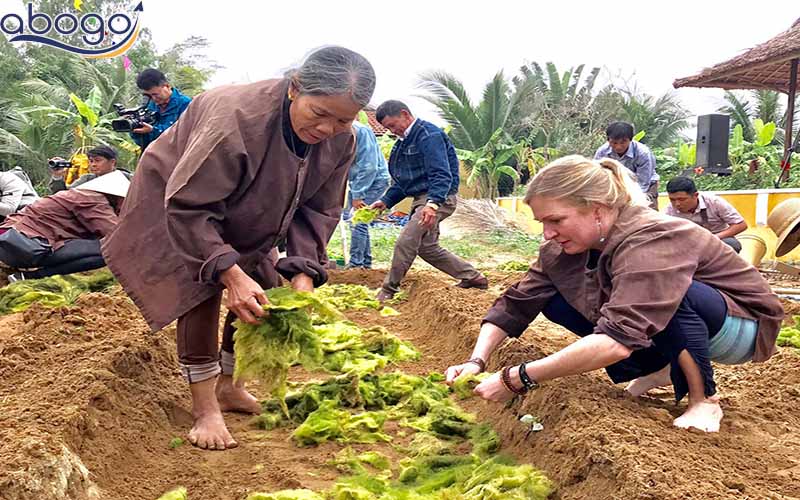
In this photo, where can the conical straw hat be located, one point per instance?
(114, 183)
(785, 223)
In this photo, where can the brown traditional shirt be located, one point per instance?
(66, 215)
(641, 276)
(221, 186)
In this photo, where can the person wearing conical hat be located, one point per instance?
(60, 234)
(784, 220)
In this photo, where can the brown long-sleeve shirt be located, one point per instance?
(66, 215)
(222, 186)
(641, 276)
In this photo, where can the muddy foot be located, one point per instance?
(210, 433)
(233, 397)
(705, 416)
(641, 385)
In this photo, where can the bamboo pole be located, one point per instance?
(787, 142)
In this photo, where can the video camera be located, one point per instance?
(57, 164)
(132, 118)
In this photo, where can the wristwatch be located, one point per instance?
(432, 204)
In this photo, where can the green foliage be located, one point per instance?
(348, 461)
(54, 291)
(283, 337)
(365, 215)
(328, 423)
(488, 163)
(286, 495)
(663, 118)
(176, 442)
(514, 265)
(478, 247)
(789, 336)
(176, 494)
(346, 296)
(465, 384)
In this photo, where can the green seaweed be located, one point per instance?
(54, 291)
(365, 215)
(176, 494)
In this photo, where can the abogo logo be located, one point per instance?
(90, 35)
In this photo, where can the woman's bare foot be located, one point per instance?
(233, 396)
(209, 430)
(704, 415)
(641, 385)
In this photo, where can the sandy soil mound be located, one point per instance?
(91, 399)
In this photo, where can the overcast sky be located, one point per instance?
(646, 42)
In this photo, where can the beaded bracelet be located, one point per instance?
(480, 362)
(505, 376)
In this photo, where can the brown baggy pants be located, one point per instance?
(198, 331)
(415, 240)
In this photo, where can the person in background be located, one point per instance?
(634, 155)
(423, 165)
(164, 100)
(705, 209)
(60, 234)
(15, 194)
(369, 178)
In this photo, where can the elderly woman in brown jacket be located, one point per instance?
(654, 299)
(245, 168)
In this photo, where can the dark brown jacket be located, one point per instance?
(222, 185)
(643, 272)
(66, 215)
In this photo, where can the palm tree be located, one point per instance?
(761, 104)
(662, 119)
(44, 119)
(472, 125)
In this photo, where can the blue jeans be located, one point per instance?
(360, 249)
(699, 317)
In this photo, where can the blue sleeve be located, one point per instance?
(160, 126)
(437, 167)
(393, 195)
(363, 170)
(645, 168)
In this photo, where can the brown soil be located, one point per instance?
(90, 401)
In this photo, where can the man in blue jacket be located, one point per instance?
(423, 165)
(165, 101)
(369, 178)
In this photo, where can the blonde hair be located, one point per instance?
(583, 182)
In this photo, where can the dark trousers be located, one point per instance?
(198, 329)
(699, 317)
(77, 255)
(74, 257)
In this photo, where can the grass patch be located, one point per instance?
(476, 248)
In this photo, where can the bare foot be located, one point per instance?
(210, 433)
(233, 397)
(209, 430)
(703, 415)
(641, 385)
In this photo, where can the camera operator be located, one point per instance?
(58, 173)
(102, 160)
(165, 101)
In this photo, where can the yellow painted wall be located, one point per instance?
(744, 202)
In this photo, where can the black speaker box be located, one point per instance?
(712, 143)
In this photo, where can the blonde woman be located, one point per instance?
(654, 299)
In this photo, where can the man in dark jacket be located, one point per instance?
(423, 165)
